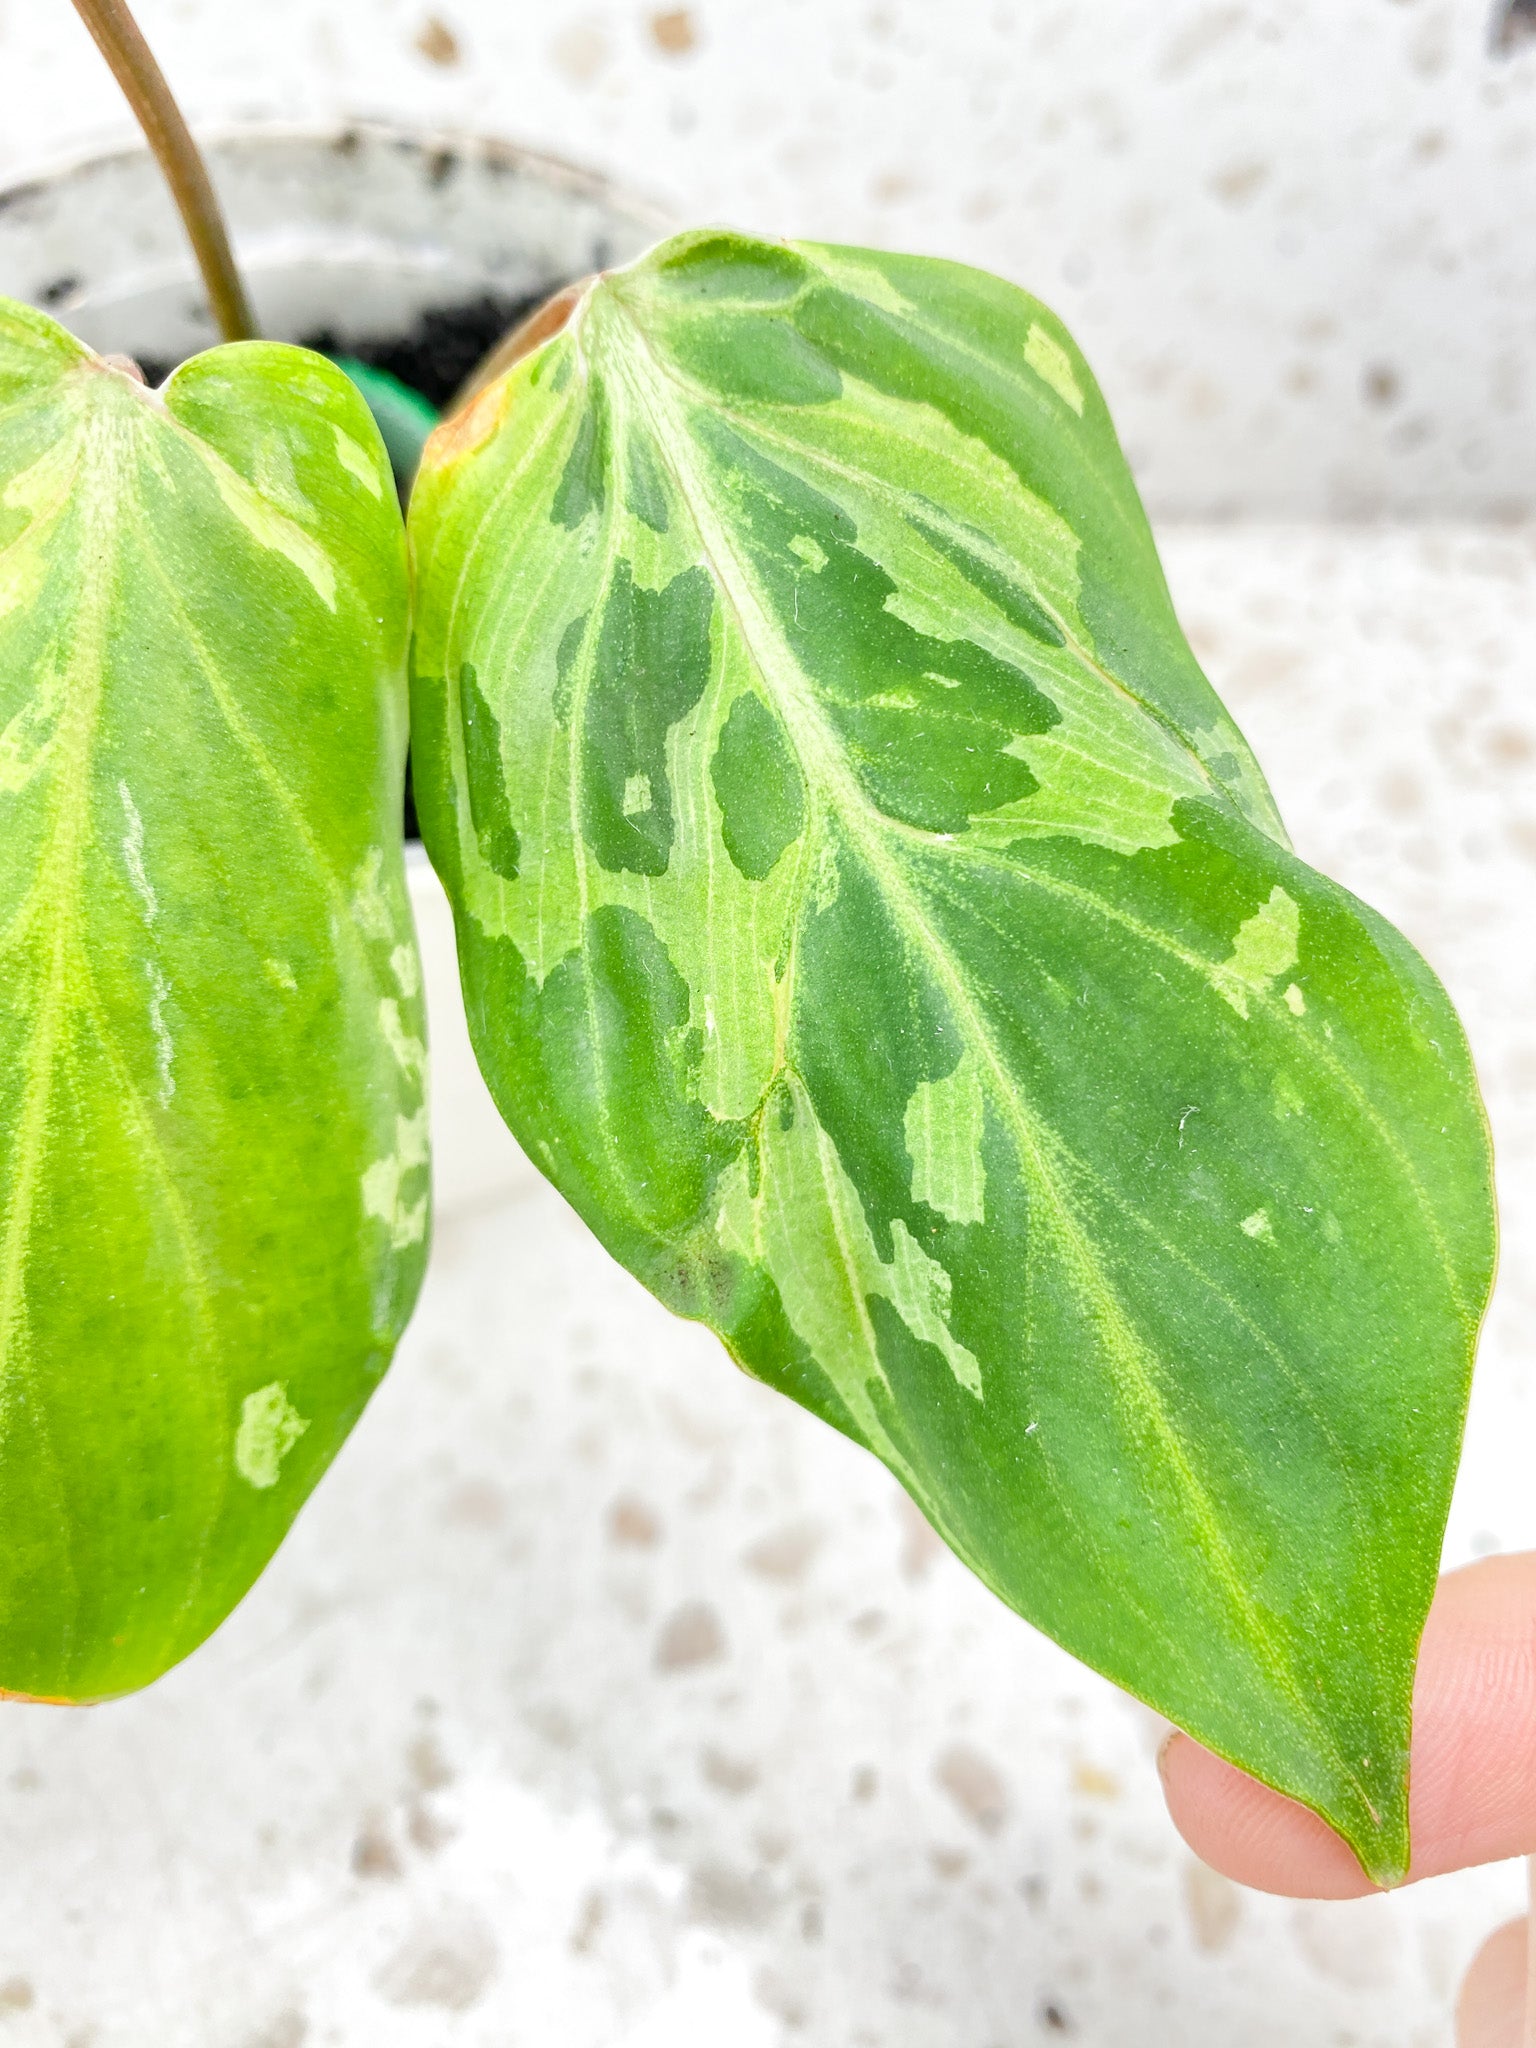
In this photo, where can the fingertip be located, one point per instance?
(1490, 2012)
(1473, 1794)
(1253, 1835)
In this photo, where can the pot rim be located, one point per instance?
(332, 133)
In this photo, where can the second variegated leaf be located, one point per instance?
(873, 923)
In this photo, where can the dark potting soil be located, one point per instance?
(441, 349)
(434, 358)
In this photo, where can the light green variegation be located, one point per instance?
(213, 1144)
(873, 923)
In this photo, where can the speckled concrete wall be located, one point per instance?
(1294, 235)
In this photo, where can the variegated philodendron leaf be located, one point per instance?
(213, 1140)
(873, 923)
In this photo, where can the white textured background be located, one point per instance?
(601, 1700)
(1294, 236)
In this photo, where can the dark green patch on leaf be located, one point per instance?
(758, 786)
(759, 356)
(713, 267)
(645, 487)
(488, 803)
(583, 483)
(649, 668)
(567, 661)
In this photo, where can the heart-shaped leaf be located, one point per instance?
(213, 1167)
(873, 923)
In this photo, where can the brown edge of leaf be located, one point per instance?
(541, 325)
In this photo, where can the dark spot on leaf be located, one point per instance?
(645, 490)
(495, 833)
(758, 786)
(784, 1106)
(615, 1016)
(566, 655)
(649, 668)
(734, 267)
(582, 484)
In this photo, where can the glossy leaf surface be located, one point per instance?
(873, 923)
(213, 1174)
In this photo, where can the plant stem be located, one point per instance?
(117, 36)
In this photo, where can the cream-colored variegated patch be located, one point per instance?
(807, 1224)
(269, 1428)
(133, 854)
(944, 1124)
(1048, 359)
(272, 529)
(409, 1051)
(1265, 948)
(27, 739)
(384, 1197)
(369, 909)
(165, 1051)
(413, 1136)
(1287, 1098)
(406, 968)
(920, 1290)
(45, 485)
(860, 273)
(355, 459)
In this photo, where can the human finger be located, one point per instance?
(1490, 2012)
(1472, 1792)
